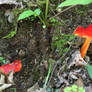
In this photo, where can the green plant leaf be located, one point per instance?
(37, 12)
(81, 89)
(89, 68)
(74, 2)
(25, 14)
(74, 88)
(11, 34)
(2, 60)
(67, 89)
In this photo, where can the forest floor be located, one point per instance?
(33, 46)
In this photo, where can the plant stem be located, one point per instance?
(85, 46)
(46, 10)
(49, 71)
(41, 20)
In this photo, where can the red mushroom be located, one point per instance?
(15, 66)
(85, 33)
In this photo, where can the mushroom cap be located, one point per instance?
(15, 66)
(84, 32)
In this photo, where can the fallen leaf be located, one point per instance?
(35, 88)
(3, 83)
(76, 60)
(2, 79)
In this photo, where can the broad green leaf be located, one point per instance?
(37, 12)
(25, 14)
(89, 68)
(74, 2)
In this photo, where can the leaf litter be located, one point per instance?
(74, 72)
(74, 75)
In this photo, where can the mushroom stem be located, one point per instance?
(85, 46)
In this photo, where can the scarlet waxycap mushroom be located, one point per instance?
(85, 33)
(15, 66)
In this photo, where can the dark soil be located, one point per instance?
(31, 45)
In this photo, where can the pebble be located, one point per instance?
(22, 53)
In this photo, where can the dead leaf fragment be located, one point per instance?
(76, 60)
(5, 84)
(35, 88)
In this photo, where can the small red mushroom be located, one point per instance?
(85, 33)
(15, 66)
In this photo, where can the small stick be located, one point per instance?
(62, 11)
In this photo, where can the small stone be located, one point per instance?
(22, 53)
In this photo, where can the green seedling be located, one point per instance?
(60, 43)
(29, 13)
(36, 13)
(74, 88)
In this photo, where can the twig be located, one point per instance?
(62, 11)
